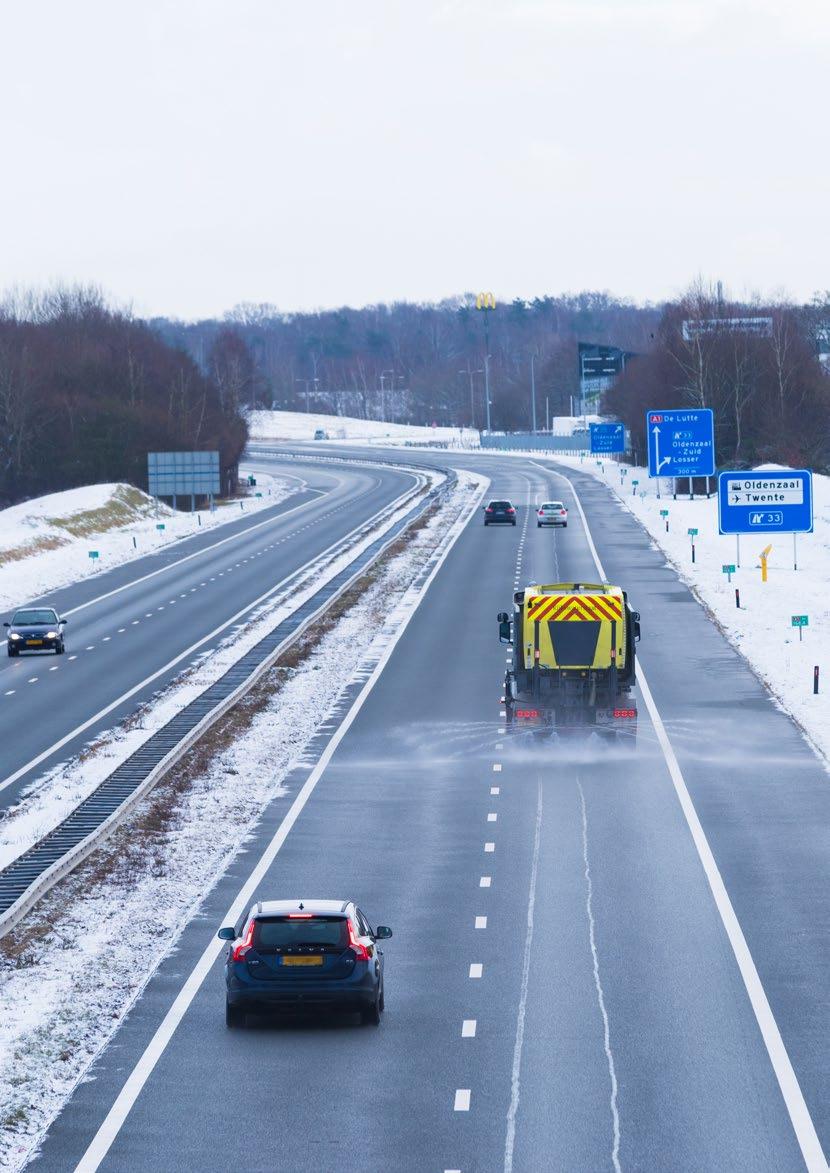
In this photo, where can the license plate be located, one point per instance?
(34, 643)
(310, 959)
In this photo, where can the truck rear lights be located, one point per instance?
(629, 713)
(527, 713)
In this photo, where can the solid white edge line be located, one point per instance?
(796, 1105)
(388, 510)
(114, 1120)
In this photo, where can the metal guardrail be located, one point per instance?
(530, 442)
(38, 869)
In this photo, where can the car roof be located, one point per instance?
(558, 504)
(315, 907)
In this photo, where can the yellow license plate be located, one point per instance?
(310, 959)
(34, 643)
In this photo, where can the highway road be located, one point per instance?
(602, 959)
(132, 630)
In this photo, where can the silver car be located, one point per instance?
(552, 513)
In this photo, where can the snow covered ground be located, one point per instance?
(58, 1006)
(762, 628)
(297, 425)
(45, 543)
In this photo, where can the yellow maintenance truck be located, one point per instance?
(573, 658)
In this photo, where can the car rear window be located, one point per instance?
(500, 504)
(276, 932)
(553, 505)
(34, 617)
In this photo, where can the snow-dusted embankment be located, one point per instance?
(45, 543)
(298, 425)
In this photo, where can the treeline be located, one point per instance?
(86, 391)
(414, 363)
(769, 391)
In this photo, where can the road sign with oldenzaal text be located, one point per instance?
(607, 437)
(801, 621)
(728, 568)
(692, 533)
(681, 443)
(765, 501)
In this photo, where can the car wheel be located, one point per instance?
(486, 524)
(12, 651)
(59, 649)
(564, 525)
(538, 525)
(382, 1000)
(234, 1015)
(370, 1015)
(512, 523)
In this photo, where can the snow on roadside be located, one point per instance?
(762, 629)
(45, 543)
(51, 797)
(297, 425)
(58, 1005)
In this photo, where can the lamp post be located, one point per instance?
(533, 390)
(383, 393)
(470, 372)
(486, 303)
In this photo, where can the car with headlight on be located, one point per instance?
(35, 629)
(303, 955)
(552, 513)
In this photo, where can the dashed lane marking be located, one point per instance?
(481, 922)
(489, 847)
(476, 969)
(462, 1100)
(492, 817)
(495, 789)
(468, 1028)
(496, 767)
(11, 692)
(485, 882)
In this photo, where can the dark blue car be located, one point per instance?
(304, 954)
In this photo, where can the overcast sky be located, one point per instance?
(191, 155)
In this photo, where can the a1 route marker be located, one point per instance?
(728, 569)
(800, 621)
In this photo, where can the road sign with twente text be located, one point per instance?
(607, 437)
(766, 501)
(681, 443)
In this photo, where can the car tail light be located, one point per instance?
(563, 513)
(630, 713)
(357, 947)
(511, 510)
(488, 510)
(541, 513)
(244, 946)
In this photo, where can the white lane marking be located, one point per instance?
(499, 745)
(512, 1111)
(495, 790)
(484, 882)
(54, 669)
(121, 630)
(476, 969)
(802, 1122)
(468, 1028)
(205, 549)
(73, 657)
(492, 817)
(481, 922)
(489, 847)
(11, 692)
(462, 1100)
(149, 615)
(606, 1029)
(90, 648)
(101, 1143)
(496, 767)
(502, 713)
(136, 622)
(32, 680)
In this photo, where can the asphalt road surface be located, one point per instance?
(132, 630)
(565, 989)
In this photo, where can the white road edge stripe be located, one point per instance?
(114, 1120)
(799, 1113)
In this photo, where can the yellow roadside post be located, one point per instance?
(764, 557)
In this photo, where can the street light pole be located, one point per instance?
(533, 389)
(486, 302)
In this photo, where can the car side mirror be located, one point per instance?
(504, 631)
(63, 621)
(382, 933)
(7, 624)
(635, 615)
(228, 933)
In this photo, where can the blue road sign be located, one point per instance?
(607, 437)
(681, 443)
(775, 501)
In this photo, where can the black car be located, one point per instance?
(497, 512)
(304, 954)
(35, 629)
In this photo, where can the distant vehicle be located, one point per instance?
(321, 434)
(552, 513)
(499, 512)
(35, 629)
(315, 954)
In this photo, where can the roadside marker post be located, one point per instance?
(800, 621)
(737, 598)
(634, 485)
(93, 554)
(728, 569)
(764, 557)
(692, 532)
(815, 680)
(665, 513)
(160, 526)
